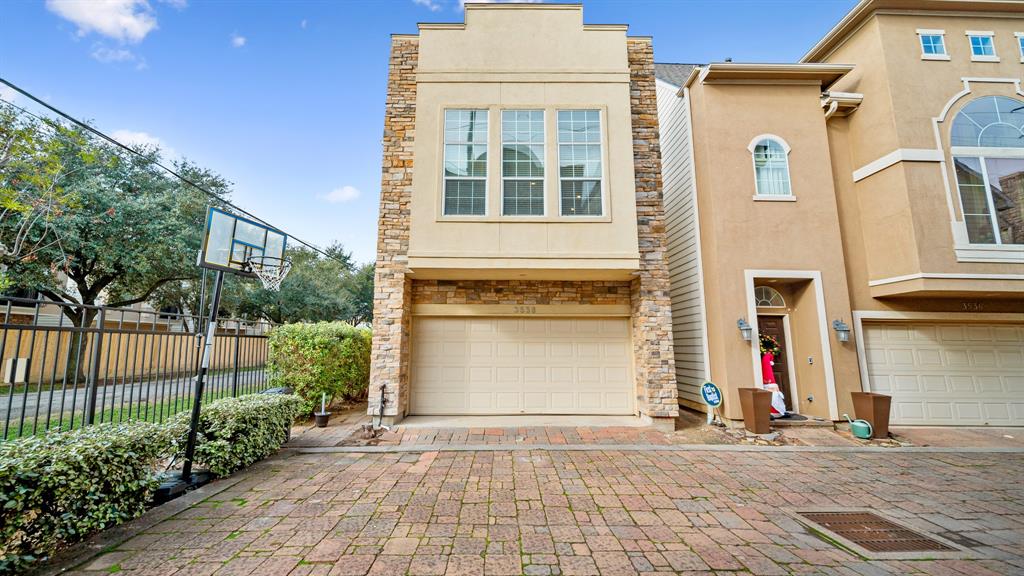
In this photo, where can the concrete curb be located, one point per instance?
(82, 552)
(643, 448)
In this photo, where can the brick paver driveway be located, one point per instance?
(581, 512)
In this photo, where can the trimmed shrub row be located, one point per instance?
(330, 358)
(60, 488)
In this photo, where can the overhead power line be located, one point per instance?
(171, 171)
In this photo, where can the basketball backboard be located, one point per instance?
(231, 241)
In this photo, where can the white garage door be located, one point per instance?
(948, 374)
(470, 365)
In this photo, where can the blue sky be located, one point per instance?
(286, 98)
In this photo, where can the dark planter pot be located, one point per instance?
(321, 419)
(875, 409)
(756, 404)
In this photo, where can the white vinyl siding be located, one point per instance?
(683, 243)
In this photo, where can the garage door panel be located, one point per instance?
(521, 365)
(947, 373)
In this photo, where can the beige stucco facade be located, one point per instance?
(872, 234)
(496, 313)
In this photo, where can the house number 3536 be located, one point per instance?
(524, 309)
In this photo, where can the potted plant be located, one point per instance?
(874, 408)
(756, 405)
(323, 416)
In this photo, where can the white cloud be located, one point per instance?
(237, 40)
(303, 24)
(105, 54)
(135, 138)
(123, 20)
(179, 4)
(7, 94)
(341, 195)
(431, 5)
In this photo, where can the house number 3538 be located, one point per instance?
(524, 309)
(972, 306)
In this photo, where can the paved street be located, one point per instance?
(572, 512)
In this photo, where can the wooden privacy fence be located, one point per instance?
(121, 364)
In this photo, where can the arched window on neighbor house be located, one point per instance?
(771, 167)
(987, 144)
(768, 297)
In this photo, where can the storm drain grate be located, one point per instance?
(874, 533)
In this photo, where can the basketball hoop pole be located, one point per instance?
(204, 366)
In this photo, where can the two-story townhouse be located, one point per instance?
(863, 209)
(520, 264)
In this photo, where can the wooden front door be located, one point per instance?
(773, 326)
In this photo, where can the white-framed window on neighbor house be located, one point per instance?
(933, 44)
(465, 163)
(987, 144)
(580, 164)
(522, 162)
(1020, 44)
(771, 168)
(983, 47)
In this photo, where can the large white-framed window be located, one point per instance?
(1020, 44)
(987, 144)
(983, 46)
(522, 162)
(465, 162)
(580, 163)
(771, 168)
(933, 44)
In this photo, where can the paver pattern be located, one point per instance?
(580, 513)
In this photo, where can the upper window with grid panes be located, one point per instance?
(580, 162)
(522, 162)
(465, 162)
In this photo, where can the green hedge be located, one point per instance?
(63, 486)
(59, 488)
(326, 357)
(236, 432)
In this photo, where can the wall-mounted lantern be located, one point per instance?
(745, 330)
(842, 330)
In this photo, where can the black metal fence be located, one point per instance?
(68, 365)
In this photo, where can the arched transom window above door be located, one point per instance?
(987, 144)
(768, 297)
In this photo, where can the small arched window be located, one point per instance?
(771, 166)
(987, 142)
(768, 297)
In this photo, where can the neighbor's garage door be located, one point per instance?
(948, 374)
(472, 365)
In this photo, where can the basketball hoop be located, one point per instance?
(270, 270)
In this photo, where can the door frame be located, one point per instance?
(750, 276)
(793, 388)
(880, 316)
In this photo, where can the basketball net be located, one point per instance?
(271, 271)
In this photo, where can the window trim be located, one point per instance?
(544, 159)
(1020, 44)
(994, 57)
(602, 142)
(921, 33)
(444, 161)
(791, 197)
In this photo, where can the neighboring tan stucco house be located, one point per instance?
(875, 185)
(520, 261)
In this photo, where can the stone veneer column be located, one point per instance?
(392, 299)
(651, 301)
